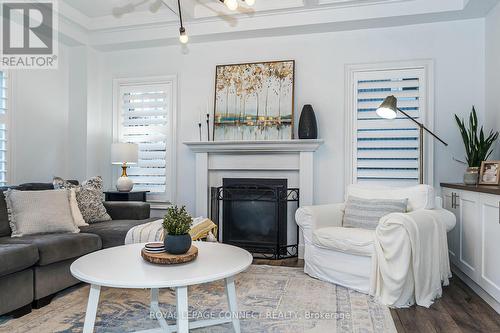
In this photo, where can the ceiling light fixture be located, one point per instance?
(183, 37)
(231, 4)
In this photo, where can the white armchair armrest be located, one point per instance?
(309, 218)
(444, 216)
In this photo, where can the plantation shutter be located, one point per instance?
(144, 120)
(387, 151)
(3, 127)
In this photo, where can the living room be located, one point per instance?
(264, 132)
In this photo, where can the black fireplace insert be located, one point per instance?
(254, 215)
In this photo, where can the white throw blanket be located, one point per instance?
(153, 231)
(147, 232)
(411, 258)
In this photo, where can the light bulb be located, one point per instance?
(231, 4)
(183, 37)
(250, 2)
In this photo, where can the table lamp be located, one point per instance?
(389, 109)
(124, 154)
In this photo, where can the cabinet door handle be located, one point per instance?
(453, 202)
(456, 201)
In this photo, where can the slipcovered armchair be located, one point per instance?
(342, 255)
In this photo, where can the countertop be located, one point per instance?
(490, 189)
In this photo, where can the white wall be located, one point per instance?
(56, 119)
(493, 71)
(457, 49)
(39, 123)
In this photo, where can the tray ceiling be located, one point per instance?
(110, 22)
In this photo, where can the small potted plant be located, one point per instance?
(477, 146)
(177, 223)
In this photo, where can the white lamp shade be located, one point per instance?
(124, 153)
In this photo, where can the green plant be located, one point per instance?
(177, 221)
(477, 146)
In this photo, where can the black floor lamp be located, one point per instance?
(389, 109)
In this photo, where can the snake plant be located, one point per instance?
(477, 146)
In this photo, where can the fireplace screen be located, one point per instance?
(254, 215)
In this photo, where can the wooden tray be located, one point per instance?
(165, 258)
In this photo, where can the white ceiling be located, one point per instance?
(114, 24)
(193, 8)
(199, 9)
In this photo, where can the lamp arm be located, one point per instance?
(422, 126)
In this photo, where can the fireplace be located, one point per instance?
(254, 214)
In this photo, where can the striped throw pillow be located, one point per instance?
(366, 213)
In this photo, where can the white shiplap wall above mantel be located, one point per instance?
(290, 159)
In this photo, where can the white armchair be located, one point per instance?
(344, 255)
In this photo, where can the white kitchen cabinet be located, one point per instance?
(490, 244)
(469, 257)
(474, 243)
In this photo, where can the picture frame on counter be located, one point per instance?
(489, 173)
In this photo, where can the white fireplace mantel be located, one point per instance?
(291, 159)
(242, 147)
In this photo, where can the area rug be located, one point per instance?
(271, 299)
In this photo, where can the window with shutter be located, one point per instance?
(4, 114)
(145, 117)
(387, 151)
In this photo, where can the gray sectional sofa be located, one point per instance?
(34, 268)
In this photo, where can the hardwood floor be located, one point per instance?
(291, 262)
(459, 310)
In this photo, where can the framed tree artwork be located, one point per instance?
(254, 101)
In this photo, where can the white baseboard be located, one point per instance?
(477, 289)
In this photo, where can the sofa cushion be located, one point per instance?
(113, 232)
(4, 216)
(128, 210)
(36, 186)
(58, 247)
(366, 213)
(349, 240)
(4, 219)
(419, 196)
(16, 257)
(39, 212)
(89, 196)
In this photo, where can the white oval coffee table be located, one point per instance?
(123, 267)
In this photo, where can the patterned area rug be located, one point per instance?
(271, 299)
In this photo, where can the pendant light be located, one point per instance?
(183, 37)
(230, 4)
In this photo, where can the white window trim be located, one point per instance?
(351, 111)
(8, 118)
(171, 159)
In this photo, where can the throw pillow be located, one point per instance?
(75, 210)
(89, 197)
(39, 212)
(366, 213)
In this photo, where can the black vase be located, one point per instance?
(308, 128)
(177, 244)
